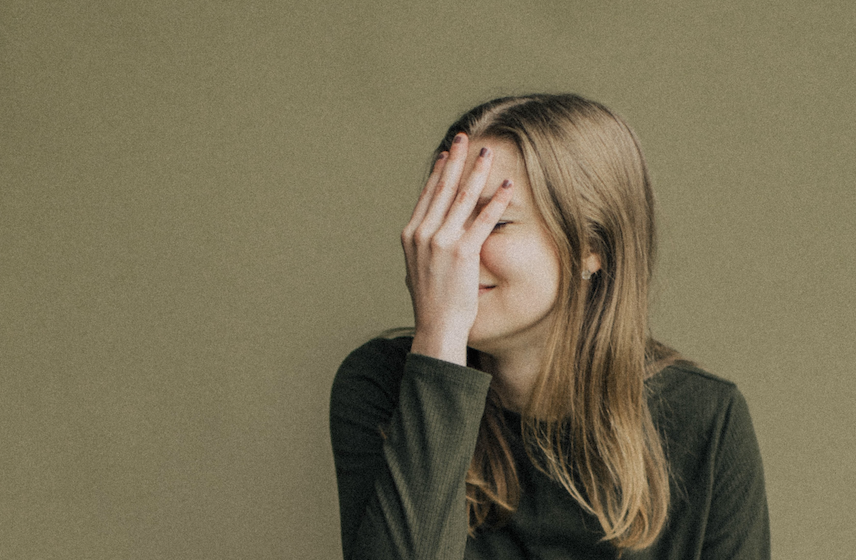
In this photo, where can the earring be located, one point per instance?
(586, 274)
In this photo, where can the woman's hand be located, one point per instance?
(442, 243)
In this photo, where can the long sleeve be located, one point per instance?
(718, 508)
(403, 428)
(738, 524)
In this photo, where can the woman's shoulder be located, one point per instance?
(686, 374)
(382, 349)
(701, 417)
(379, 361)
(688, 394)
(366, 387)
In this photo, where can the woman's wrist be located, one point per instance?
(447, 348)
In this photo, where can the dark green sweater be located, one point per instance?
(403, 496)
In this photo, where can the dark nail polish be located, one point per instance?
(484, 152)
(458, 138)
(506, 184)
(441, 156)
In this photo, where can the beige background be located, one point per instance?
(199, 211)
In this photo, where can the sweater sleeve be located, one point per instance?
(738, 524)
(403, 428)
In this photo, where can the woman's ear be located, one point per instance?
(591, 263)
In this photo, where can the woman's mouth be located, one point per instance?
(484, 288)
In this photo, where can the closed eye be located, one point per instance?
(500, 225)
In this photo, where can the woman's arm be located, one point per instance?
(403, 494)
(403, 428)
(738, 523)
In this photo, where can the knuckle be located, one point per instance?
(465, 196)
(462, 251)
(482, 218)
(440, 242)
(420, 236)
(487, 216)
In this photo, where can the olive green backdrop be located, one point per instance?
(199, 215)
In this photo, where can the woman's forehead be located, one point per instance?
(507, 164)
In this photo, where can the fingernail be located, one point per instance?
(458, 138)
(442, 156)
(506, 184)
(484, 151)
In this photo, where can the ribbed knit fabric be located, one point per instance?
(404, 427)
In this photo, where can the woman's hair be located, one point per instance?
(587, 423)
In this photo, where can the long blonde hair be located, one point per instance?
(587, 423)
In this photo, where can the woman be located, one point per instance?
(530, 415)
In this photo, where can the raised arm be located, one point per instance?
(404, 425)
(401, 459)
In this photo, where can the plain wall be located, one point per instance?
(199, 214)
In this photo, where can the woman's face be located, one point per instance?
(519, 272)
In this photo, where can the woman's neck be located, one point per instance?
(514, 374)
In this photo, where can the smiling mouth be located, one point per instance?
(483, 288)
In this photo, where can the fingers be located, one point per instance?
(428, 191)
(489, 216)
(444, 212)
(468, 195)
(447, 186)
